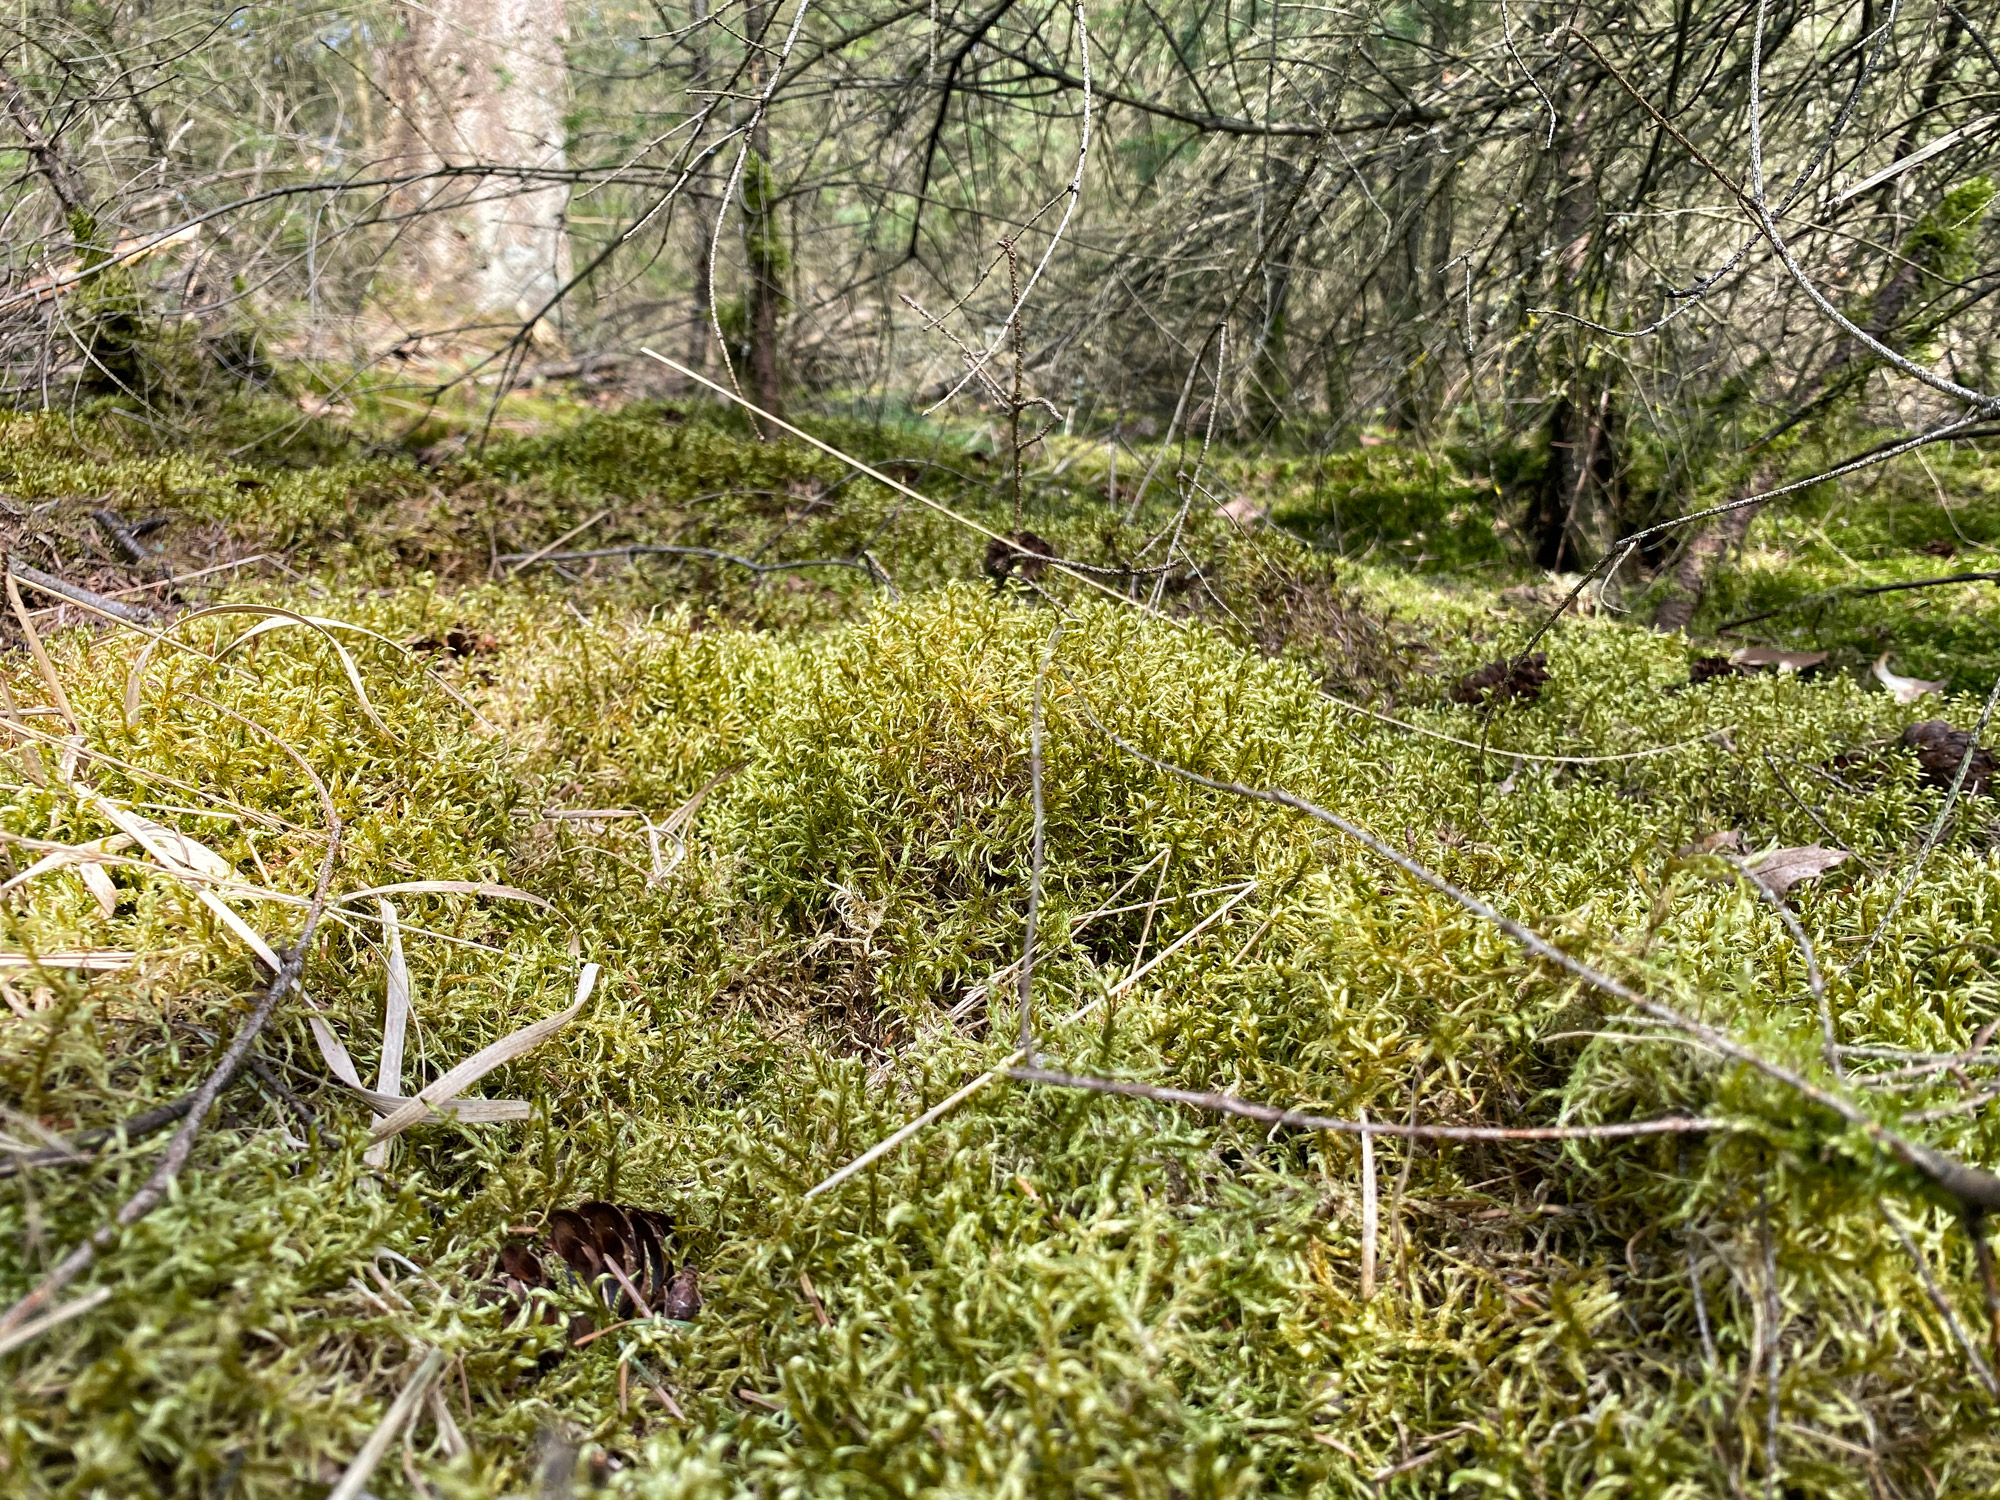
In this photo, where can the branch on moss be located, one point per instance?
(234, 1056)
(1854, 591)
(1973, 1188)
(1267, 1114)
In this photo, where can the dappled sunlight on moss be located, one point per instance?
(1042, 1293)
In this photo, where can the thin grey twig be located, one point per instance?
(79, 1147)
(48, 583)
(1973, 1187)
(1944, 1308)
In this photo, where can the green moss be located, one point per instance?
(1400, 504)
(1042, 1293)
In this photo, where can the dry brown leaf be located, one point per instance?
(1771, 656)
(1781, 869)
(1903, 689)
(79, 854)
(1520, 677)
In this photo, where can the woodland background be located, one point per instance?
(1170, 749)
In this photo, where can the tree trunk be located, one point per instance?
(700, 204)
(481, 83)
(764, 243)
(1696, 569)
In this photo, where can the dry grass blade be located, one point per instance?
(349, 1486)
(76, 1307)
(446, 888)
(485, 1061)
(271, 618)
(1172, 948)
(464, 1111)
(395, 1022)
(676, 825)
(31, 755)
(1025, 975)
(233, 1058)
(1271, 1114)
(61, 856)
(180, 856)
(94, 960)
(929, 1117)
(41, 655)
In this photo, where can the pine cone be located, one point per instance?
(1023, 553)
(1940, 750)
(1510, 677)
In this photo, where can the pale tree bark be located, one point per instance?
(1702, 559)
(481, 83)
(701, 204)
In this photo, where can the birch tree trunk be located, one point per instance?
(481, 83)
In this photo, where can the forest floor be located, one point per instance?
(790, 818)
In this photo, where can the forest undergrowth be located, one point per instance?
(791, 818)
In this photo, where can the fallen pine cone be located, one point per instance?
(1510, 677)
(1023, 553)
(1708, 668)
(1940, 750)
(620, 1252)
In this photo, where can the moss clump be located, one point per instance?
(1042, 1293)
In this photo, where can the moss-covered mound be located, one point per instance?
(1042, 1291)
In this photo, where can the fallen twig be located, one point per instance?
(1059, 564)
(181, 1147)
(14, 1338)
(1855, 591)
(48, 583)
(79, 1148)
(1972, 1187)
